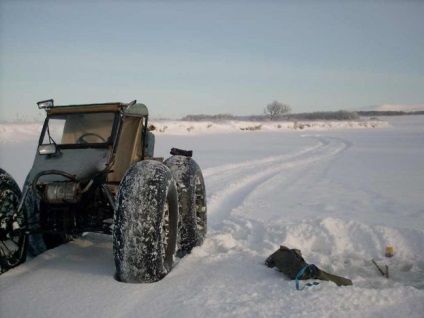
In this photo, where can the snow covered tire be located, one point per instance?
(146, 218)
(13, 239)
(191, 200)
(36, 244)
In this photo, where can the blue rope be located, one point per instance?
(300, 274)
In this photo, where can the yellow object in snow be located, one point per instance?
(390, 251)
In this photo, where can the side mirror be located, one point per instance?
(49, 149)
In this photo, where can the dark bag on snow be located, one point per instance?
(291, 263)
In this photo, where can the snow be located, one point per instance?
(340, 193)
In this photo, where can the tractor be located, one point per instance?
(95, 171)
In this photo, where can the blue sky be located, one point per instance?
(204, 57)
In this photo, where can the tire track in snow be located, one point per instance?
(229, 185)
(216, 172)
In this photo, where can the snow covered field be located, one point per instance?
(340, 193)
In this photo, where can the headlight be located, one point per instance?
(49, 149)
(45, 104)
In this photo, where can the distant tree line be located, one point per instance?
(338, 115)
(277, 111)
(388, 113)
(203, 117)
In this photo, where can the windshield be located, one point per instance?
(79, 129)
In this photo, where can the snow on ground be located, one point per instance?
(339, 195)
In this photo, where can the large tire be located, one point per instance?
(36, 244)
(13, 239)
(146, 219)
(191, 200)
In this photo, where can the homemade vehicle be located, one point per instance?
(95, 171)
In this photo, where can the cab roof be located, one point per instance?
(132, 109)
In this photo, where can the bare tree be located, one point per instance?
(276, 108)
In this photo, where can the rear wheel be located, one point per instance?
(191, 200)
(146, 217)
(13, 239)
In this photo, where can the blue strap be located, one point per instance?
(300, 274)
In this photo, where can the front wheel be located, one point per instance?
(13, 239)
(146, 218)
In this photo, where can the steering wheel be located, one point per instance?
(81, 139)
